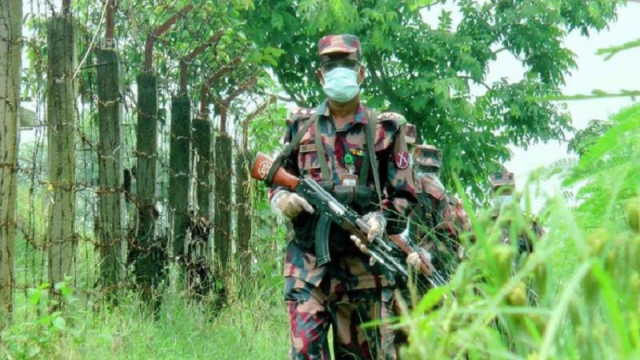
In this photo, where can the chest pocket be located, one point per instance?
(308, 154)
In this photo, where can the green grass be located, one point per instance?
(248, 329)
(253, 326)
(586, 271)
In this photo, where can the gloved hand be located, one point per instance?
(461, 253)
(290, 204)
(415, 261)
(462, 218)
(377, 225)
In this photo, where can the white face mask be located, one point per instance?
(502, 200)
(341, 84)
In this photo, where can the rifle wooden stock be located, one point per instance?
(407, 250)
(260, 171)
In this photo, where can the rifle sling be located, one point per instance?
(372, 154)
(322, 159)
(366, 164)
(288, 149)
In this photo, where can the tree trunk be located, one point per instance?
(179, 180)
(243, 215)
(10, 65)
(222, 226)
(110, 196)
(61, 96)
(147, 269)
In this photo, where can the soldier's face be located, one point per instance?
(348, 61)
(503, 191)
(502, 196)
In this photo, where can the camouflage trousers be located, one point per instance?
(313, 310)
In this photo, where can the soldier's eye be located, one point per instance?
(346, 63)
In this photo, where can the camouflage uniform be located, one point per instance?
(501, 182)
(438, 220)
(504, 183)
(347, 291)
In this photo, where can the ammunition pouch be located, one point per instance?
(364, 199)
(358, 198)
(344, 194)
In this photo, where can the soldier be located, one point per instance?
(337, 145)
(439, 219)
(502, 189)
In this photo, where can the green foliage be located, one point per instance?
(585, 138)
(426, 71)
(267, 130)
(609, 169)
(583, 279)
(38, 339)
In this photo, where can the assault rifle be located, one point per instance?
(346, 218)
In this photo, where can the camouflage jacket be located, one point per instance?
(438, 220)
(349, 269)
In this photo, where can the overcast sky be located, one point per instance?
(620, 72)
(593, 72)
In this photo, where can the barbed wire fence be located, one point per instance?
(87, 249)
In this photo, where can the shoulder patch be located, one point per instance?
(402, 160)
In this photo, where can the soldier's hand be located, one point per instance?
(461, 253)
(415, 261)
(291, 204)
(377, 224)
(362, 246)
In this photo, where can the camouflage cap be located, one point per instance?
(409, 131)
(344, 43)
(427, 155)
(502, 179)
